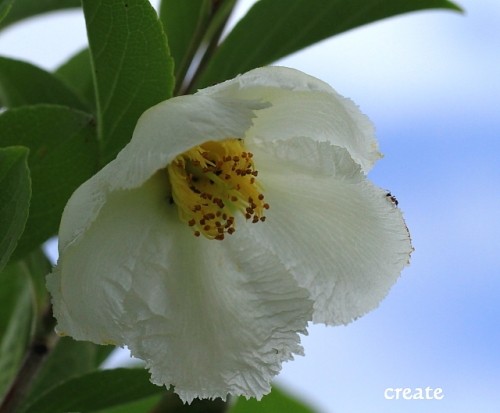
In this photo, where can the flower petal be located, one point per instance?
(172, 127)
(349, 241)
(94, 271)
(302, 106)
(162, 132)
(210, 318)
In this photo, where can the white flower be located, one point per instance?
(233, 218)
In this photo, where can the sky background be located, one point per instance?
(430, 81)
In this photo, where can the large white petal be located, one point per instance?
(94, 271)
(302, 106)
(342, 237)
(208, 317)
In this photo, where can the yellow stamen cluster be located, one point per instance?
(212, 181)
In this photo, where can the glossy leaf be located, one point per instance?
(15, 194)
(22, 83)
(185, 23)
(96, 391)
(22, 9)
(273, 29)
(63, 154)
(16, 315)
(276, 401)
(132, 66)
(68, 359)
(76, 73)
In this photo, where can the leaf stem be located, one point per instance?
(41, 345)
(220, 16)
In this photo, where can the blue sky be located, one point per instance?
(430, 82)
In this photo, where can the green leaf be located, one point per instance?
(76, 73)
(185, 23)
(22, 9)
(22, 84)
(171, 402)
(96, 391)
(63, 154)
(15, 194)
(273, 29)
(38, 266)
(141, 406)
(132, 66)
(5, 6)
(16, 315)
(68, 359)
(276, 401)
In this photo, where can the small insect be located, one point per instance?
(392, 198)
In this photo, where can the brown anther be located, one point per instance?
(218, 224)
(266, 206)
(255, 219)
(249, 210)
(230, 230)
(248, 216)
(220, 230)
(236, 158)
(255, 173)
(197, 233)
(261, 197)
(191, 222)
(219, 237)
(206, 228)
(202, 221)
(262, 219)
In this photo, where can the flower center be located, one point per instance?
(211, 182)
